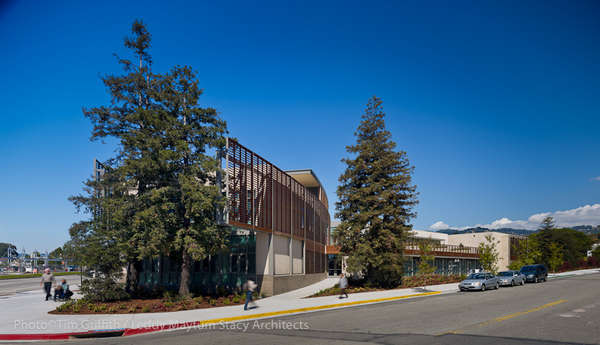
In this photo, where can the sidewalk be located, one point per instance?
(25, 315)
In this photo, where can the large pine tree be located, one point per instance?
(163, 197)
(376, 200)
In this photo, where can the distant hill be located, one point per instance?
(587, 229)
(511, 231)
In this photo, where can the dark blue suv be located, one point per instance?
(535, 273)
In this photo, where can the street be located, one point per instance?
(559, 311)
(12, 286)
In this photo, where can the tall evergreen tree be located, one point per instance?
(547, 223)
(163, 195)
(376, 200)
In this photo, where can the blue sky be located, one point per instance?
(497, 103)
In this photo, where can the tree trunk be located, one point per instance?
(186, 268)
(133, 275)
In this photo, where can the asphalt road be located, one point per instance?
(12, 286)
(562, 311)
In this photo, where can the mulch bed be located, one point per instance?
(157, 305)
(407, 282)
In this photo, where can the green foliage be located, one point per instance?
(575, 244)
(596, 253)
(56, 253)
(159, 194)
(103, 290)
(528, 252)
(376, 200)
(33, 275)
(427, 259)
(547, 223)
(4, 248)
(555, 256)
(488, 254)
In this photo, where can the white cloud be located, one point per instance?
(597, 178)
(439, 226)
(584, 215)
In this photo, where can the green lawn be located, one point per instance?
(34, 275)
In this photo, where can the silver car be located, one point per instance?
(479, 281)
(511, 278)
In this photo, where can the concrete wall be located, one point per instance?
(297, 257)
(274, 285)
(263, 257)
(474, 239)
(289, 264)
(282, 254)
(443, 238)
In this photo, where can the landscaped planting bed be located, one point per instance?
(407, 282)
(156, 305)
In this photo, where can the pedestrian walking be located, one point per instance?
(250, 287)
(343, 285)
(46, 282)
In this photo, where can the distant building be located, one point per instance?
(454, 254)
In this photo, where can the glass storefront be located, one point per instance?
(227, 270)
(444, 266)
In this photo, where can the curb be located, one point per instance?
(143, 330)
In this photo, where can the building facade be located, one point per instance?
(279, 222)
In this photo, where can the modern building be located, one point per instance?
(505, 244)
(454, 254)
(279, 222)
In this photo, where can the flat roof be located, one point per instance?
(306, 177)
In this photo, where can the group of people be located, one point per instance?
(61, 290)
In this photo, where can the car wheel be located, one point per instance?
(497, 286)
(536, 280)
(512, 283)
(522, 282)
(482, 287)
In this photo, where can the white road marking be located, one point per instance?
(568, 315)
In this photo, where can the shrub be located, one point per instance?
(103, 290)
(65, 307)
(199, 299)
(236, 299)
(76, 307)
(146, 309)
(170, 296)
(226, 301)
(212, 302)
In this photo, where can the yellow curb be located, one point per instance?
(320, 307)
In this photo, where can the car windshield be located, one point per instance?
(476, 276)
(528, 269)
(505, 274)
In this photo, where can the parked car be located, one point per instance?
(535, 273)
(511, 278)
(479, 281)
